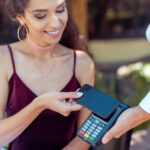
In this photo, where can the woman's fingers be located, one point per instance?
(78, 90)
(57, 101)
(75, 106)
(65, 107)
(71, 106)
(70, 100)
(66, 95)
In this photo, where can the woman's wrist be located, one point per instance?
(39, 104)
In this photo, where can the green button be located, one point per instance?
(91, 138)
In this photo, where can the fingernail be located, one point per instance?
(79, 93)
(105, 140)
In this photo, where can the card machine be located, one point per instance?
(105, 111)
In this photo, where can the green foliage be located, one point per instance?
(101, 84)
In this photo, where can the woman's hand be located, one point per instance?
(129, 119)
(56, 101)
(13, 126)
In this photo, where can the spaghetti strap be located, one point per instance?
(12, 58)
(74, 63)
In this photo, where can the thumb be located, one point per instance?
(108, 136)
(72, 95)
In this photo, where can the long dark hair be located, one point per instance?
(71, 37)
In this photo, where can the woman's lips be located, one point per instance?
(53, 33)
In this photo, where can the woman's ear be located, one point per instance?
(21, 19)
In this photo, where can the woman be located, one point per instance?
(38, 75)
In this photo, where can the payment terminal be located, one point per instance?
(105, 111)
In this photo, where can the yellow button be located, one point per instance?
(86, 135)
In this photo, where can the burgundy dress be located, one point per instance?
(50, 130)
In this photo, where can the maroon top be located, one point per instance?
(50, 130)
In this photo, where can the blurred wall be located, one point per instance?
(79, 10)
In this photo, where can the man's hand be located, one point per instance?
(129, 119)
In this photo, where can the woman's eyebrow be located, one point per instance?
(45, 10)
(40, 10)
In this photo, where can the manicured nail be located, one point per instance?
(79, 94)
(105, 140)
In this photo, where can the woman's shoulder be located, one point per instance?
(85, 68)
(81, 55)
(4, 59)
(3, 48)
(84, 58)
(4, 53)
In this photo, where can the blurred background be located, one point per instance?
(115, 31)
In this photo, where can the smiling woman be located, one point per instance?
(70, 37)
(39, 75)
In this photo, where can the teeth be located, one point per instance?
(54, 33)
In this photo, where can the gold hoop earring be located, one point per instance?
(19, 29)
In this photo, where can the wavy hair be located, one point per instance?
(71, 37)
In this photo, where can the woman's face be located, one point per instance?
(46, 20)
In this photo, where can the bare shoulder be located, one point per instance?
(85, 68)
(4, 88)
(83, 58)
(3, 49)
(4, 54)
(4, 59)
(84, 61)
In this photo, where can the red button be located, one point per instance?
(81, 131)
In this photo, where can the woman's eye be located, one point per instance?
(61, 10)
(40, 17)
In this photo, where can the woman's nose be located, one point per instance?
(54, 22)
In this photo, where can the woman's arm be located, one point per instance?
(85, 72)
(13, 126)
